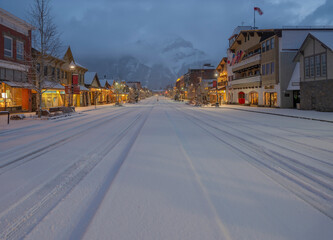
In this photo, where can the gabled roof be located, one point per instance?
(69, 56)
(105, 82)
(89, 77)
(325, 38)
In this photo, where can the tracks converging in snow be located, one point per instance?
(312, 183)
(164, 170)
(15, 225)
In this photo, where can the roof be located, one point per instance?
(15, 19)
(325, 38)
(103, 82)
(89, 77)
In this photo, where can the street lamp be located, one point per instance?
(217, 97)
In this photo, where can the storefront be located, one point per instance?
(53, 98)
(15, 97)
(271, 99)
(254, 97)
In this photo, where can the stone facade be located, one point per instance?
(317, 95)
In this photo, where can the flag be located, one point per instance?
(258, 10)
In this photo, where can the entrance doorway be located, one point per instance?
(241, 98)
(271, 99)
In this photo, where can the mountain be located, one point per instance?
(155, 64)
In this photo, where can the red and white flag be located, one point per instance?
(258, 10)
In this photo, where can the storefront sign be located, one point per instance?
(76, 89)
(75, 79)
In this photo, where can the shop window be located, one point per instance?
(19, 50)
(323, 65)
(2, 73)
(9, 74)
(17, 76)
(271, 99)
(254, 98)
(8, 46)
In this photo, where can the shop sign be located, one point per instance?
(62, 92)
(214, 84)
(76, 89)
(50, 91)
(75, 79)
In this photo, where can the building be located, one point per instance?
(91, 81)
(222, 80)
(315, 58)
(106, 86)
(193, 78)
(15, 50)
(261, 66)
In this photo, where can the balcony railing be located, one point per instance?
(248, 60)
(251, 79)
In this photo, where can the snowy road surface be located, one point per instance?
(165, 170)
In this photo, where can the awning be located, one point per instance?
(19, 84)
(53, 85)
(83, 88)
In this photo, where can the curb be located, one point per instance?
(282, 115)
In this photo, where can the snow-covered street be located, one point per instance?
(167, 170)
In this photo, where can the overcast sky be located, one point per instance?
(108, 27)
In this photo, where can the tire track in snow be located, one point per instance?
(72, 134)
(19, 220)
(223, 229)
(299, 144)
(305, 185)
(91, 210)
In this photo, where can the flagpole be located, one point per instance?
(254, 18)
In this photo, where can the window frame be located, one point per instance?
(4, 46)
(18, 42)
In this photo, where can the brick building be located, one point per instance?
(15, 50)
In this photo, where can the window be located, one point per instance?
(62, 74)
(267, 68)
(311, 66)
(38, 68)
(307, 67)
(58, 73)
(272, 67)
(8, 47)
(66, 75)
(272, 43)
(323, 65)
(263, 70)
(19, 50)
(317, 62)
(263, 46)
(267, 44)
(53, 71)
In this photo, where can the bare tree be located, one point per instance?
(46, 42)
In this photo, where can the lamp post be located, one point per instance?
(217, 96)
(72, 69)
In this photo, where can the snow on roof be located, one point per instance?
(324, 37)
(104, 81)
(89, 77)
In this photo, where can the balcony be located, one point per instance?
(247, 82)
(248, 62)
